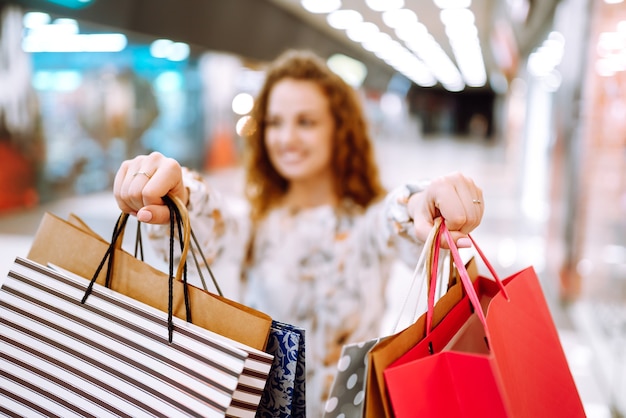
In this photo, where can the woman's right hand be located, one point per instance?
(141, 183)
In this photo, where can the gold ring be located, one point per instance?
(477, 201)
(144, 173)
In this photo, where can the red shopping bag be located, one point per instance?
(502, 360)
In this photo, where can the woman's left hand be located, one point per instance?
(456, 198)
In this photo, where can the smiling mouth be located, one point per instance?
(292, 157)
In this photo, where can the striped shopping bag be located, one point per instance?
(109, 356)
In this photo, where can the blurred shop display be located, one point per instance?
(90, 97)
(93, 119)
(116, 105)
(94, 125)
(223, 78)
(21, 140)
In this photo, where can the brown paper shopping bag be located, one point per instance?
(377, 403)
(80, 251)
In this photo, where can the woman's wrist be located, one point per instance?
(413, 197)
(195, 190)
(400, 208)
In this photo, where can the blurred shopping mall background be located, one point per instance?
(527, 96)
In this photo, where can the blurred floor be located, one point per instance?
(510, 238)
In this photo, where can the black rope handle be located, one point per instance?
(179, 223)
(194, 242)
(118, 233)
(175, 224)
(208, 267)
(138, 242)
(119, 227)
(170, 281)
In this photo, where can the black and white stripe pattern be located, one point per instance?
(247, 395)
(107, 357)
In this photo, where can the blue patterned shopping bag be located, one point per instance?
(284, 393)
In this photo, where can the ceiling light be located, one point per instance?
(384, 5)
(242, 103)
(35, 19)
(413, 33)
(160, 48)
(393, 49)
(62, 35)
(399, 17)
(96, 42)
(321, 6)
(379, 42)
(420, 59)
(352, 71)
(461, 33)
(343, 19)
(453, 4)
(604, 68)
(243, 126)
(552, 81)
(179, 52)
(610, 41)
(547, 57)
(451, 17)
(454, 86)
(167, 49)
(60, 27)
(362, 32)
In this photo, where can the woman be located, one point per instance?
(316, 244)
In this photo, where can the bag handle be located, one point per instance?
(463, 274)
(178, 217)
(422, 270)
(189, 244)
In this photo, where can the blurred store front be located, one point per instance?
(96, 106)
(594, 267)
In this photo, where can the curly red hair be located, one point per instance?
(356, 173)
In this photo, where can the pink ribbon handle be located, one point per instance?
(433, 280)
(464, 275)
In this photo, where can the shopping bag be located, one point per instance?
(285, 391)
(252, 382)
(70, 246)
(394, 346)
(347, 392)
(501, 359)
(108, 356)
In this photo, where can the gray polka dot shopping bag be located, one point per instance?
(347, 393)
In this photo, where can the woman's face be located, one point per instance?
(299, 130)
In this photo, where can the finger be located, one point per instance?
(453, 197)
(167, 179)
(141, 183)
(121, 185)
(474, 195)
(135, 177)
(154, 214)
(463, 207)
(460, 240)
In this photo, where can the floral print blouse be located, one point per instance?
(320, 269)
